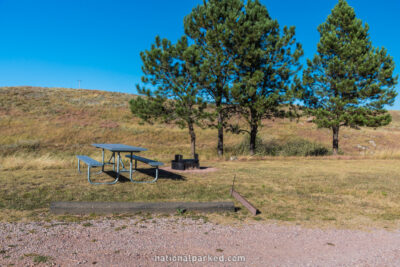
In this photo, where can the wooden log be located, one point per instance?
(244, 202)
(133, 207)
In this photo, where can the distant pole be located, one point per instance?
(79, 84)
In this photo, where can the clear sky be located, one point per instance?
(55, 43)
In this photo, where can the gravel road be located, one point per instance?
(132, 242)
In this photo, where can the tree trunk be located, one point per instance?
(253, 135)
(335, 143)
(192, 139)
(220, 146)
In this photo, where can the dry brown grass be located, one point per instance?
(326, 192)
(66, 121)
(41, 131)
(32, 162)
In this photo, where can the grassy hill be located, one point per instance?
(42, 129)
(60, 123)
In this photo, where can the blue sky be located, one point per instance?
(56, 43)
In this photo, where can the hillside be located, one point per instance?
(64, 122)
(42, 129)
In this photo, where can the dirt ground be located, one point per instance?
(173, 241)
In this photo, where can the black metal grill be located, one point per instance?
(182, 164)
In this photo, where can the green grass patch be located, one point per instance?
(41, 259)
(38, 258)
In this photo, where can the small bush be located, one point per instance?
(38, 258)
(303, 147)
(296, 147)
(41, 259)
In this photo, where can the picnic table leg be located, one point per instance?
(102, 167)
(90, 181)
(88, 175)
(130, 167)
(147, 182)
(142, 182)
(118, 159)
(122, 163)
(114, 161)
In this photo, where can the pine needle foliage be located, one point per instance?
(348, 82)
(211, 27)
(173, 97)
(266, 62)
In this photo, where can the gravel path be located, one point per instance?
(132, 242)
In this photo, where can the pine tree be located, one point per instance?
(169, 70)
(266, 62)
(210, 26)
(348, 82)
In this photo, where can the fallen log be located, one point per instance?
(76, 207)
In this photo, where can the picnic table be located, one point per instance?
(117, 149)
(116, 161)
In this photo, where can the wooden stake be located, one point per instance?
(244, 202)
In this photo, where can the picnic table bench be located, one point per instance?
(90, 163)
(150, 162)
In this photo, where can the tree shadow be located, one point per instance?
(189, 170)
(204, 168)
(162, 174)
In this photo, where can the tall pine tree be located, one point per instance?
(348, 82)
(169, 69)
(266, 62)
(210, 26)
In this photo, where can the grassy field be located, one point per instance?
(42, 129)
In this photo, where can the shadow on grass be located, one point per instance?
(204, 168)
(162, 174)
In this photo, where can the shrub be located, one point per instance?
(295, 147)
(301, 147)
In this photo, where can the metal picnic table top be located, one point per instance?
(119, 147)
(116, 150)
